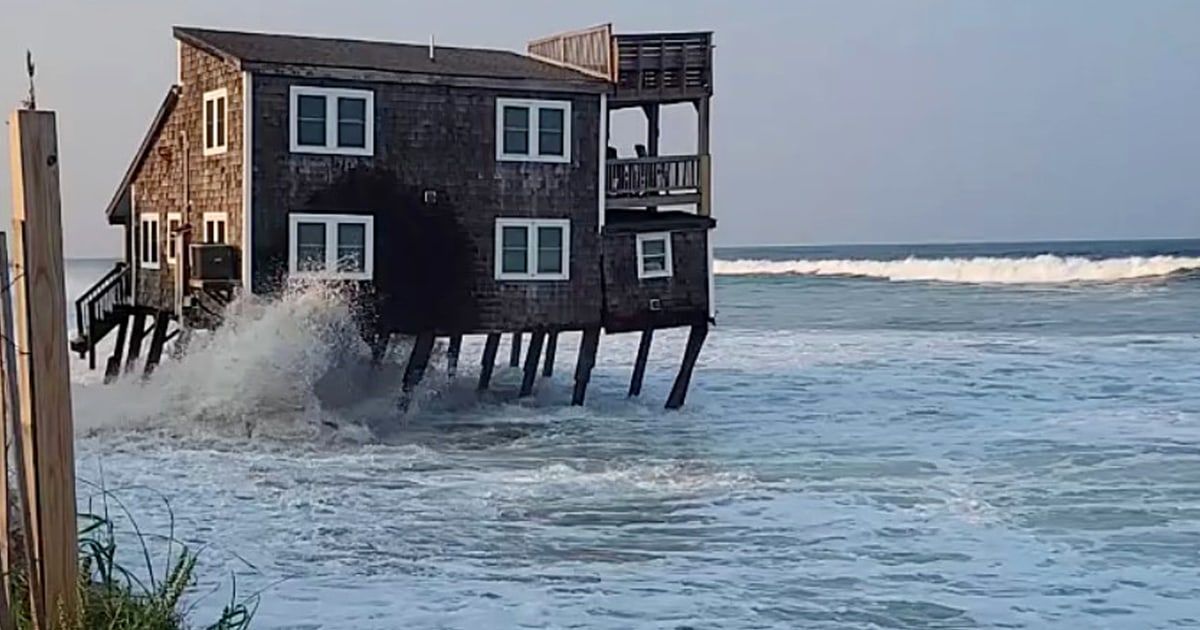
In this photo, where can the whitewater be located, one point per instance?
(929, 452)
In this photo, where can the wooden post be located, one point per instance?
(135, 338)
(162, 321)
(551, 347)
(112, 369)
(45, 380)
(639, 364)
(694, 343)
(514, 357)
(489, 359)
(703, 127)
(418, 360)
(8, 430)
(587, 360)
(452, 355)
(532, 357)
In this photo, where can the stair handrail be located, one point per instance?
(114, 277)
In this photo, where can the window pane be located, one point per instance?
(219, 123)
(654, 263)
(310, 120)
(550, 250)
(550, 131)
(310, 246)
(352, 109)
(209, 123)
(352, 247)
(352, 134)
(656, 247)
(516, 130)
(515, 245)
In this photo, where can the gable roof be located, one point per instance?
(119, 207)
(255, 49)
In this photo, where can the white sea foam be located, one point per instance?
(1043, 269)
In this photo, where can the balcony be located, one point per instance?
(659, 181)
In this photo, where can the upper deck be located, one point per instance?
(645, 68)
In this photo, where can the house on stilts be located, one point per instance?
(465, 191)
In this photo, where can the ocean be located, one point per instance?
(927, 436)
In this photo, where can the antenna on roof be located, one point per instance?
(431, 46)
(31, 102)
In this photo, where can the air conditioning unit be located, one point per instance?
(214, 262)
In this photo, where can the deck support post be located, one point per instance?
(551, 347)
(639, 364)
(161, 322)
(135, 338)
(587, 360)
(490, 346)
(418, 360)
(690, 354)
(112, 369)
(452, 353)
(379, 347)
(514, 357)
(532, 357)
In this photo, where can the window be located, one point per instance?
(332, 246)
(148, 240)
(332, 121)
(533, 249)
(654, 255)
(174, 221)
(214, 227)
(216, 122)
(533, 131)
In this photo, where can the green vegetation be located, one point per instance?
(116, 598)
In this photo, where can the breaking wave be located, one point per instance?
(1043, 269)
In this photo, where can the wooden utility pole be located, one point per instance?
(45, 392)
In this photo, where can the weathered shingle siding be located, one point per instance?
(683, 296)
(214, 182)
(434, 262)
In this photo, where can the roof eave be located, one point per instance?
(584, 84)
(185, 35)
(160, 120)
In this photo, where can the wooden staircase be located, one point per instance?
(100, 310)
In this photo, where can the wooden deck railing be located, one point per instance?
(94, 310)
(653, 175)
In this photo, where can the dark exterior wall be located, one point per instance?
(683, 296)
(434, 263)
(214, 182)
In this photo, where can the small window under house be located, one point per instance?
(216, 122)
(533, 130)
(654, 255)
(331, 246)
(533, 249)
(148, 236)
(332, 121)
(215, 224)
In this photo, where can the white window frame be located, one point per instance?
(668, 267)
(221, 143)
(214, 218)
(146, 246)
(531, 247)
(534, 106)
(331, 96)
(331, 222)
(177, 218)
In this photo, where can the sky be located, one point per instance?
(834, 121)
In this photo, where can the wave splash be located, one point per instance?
(1043, 269)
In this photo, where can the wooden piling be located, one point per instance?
(639, 364)
(162, 322)
(41, 314)
(587, 360)
(135, 339)
(112, 369)
(452, 353)
(694, 343)
(532, 357)
(9, 433)
(514, 357)
(551, 348)
(490, 347)
(418, 360)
